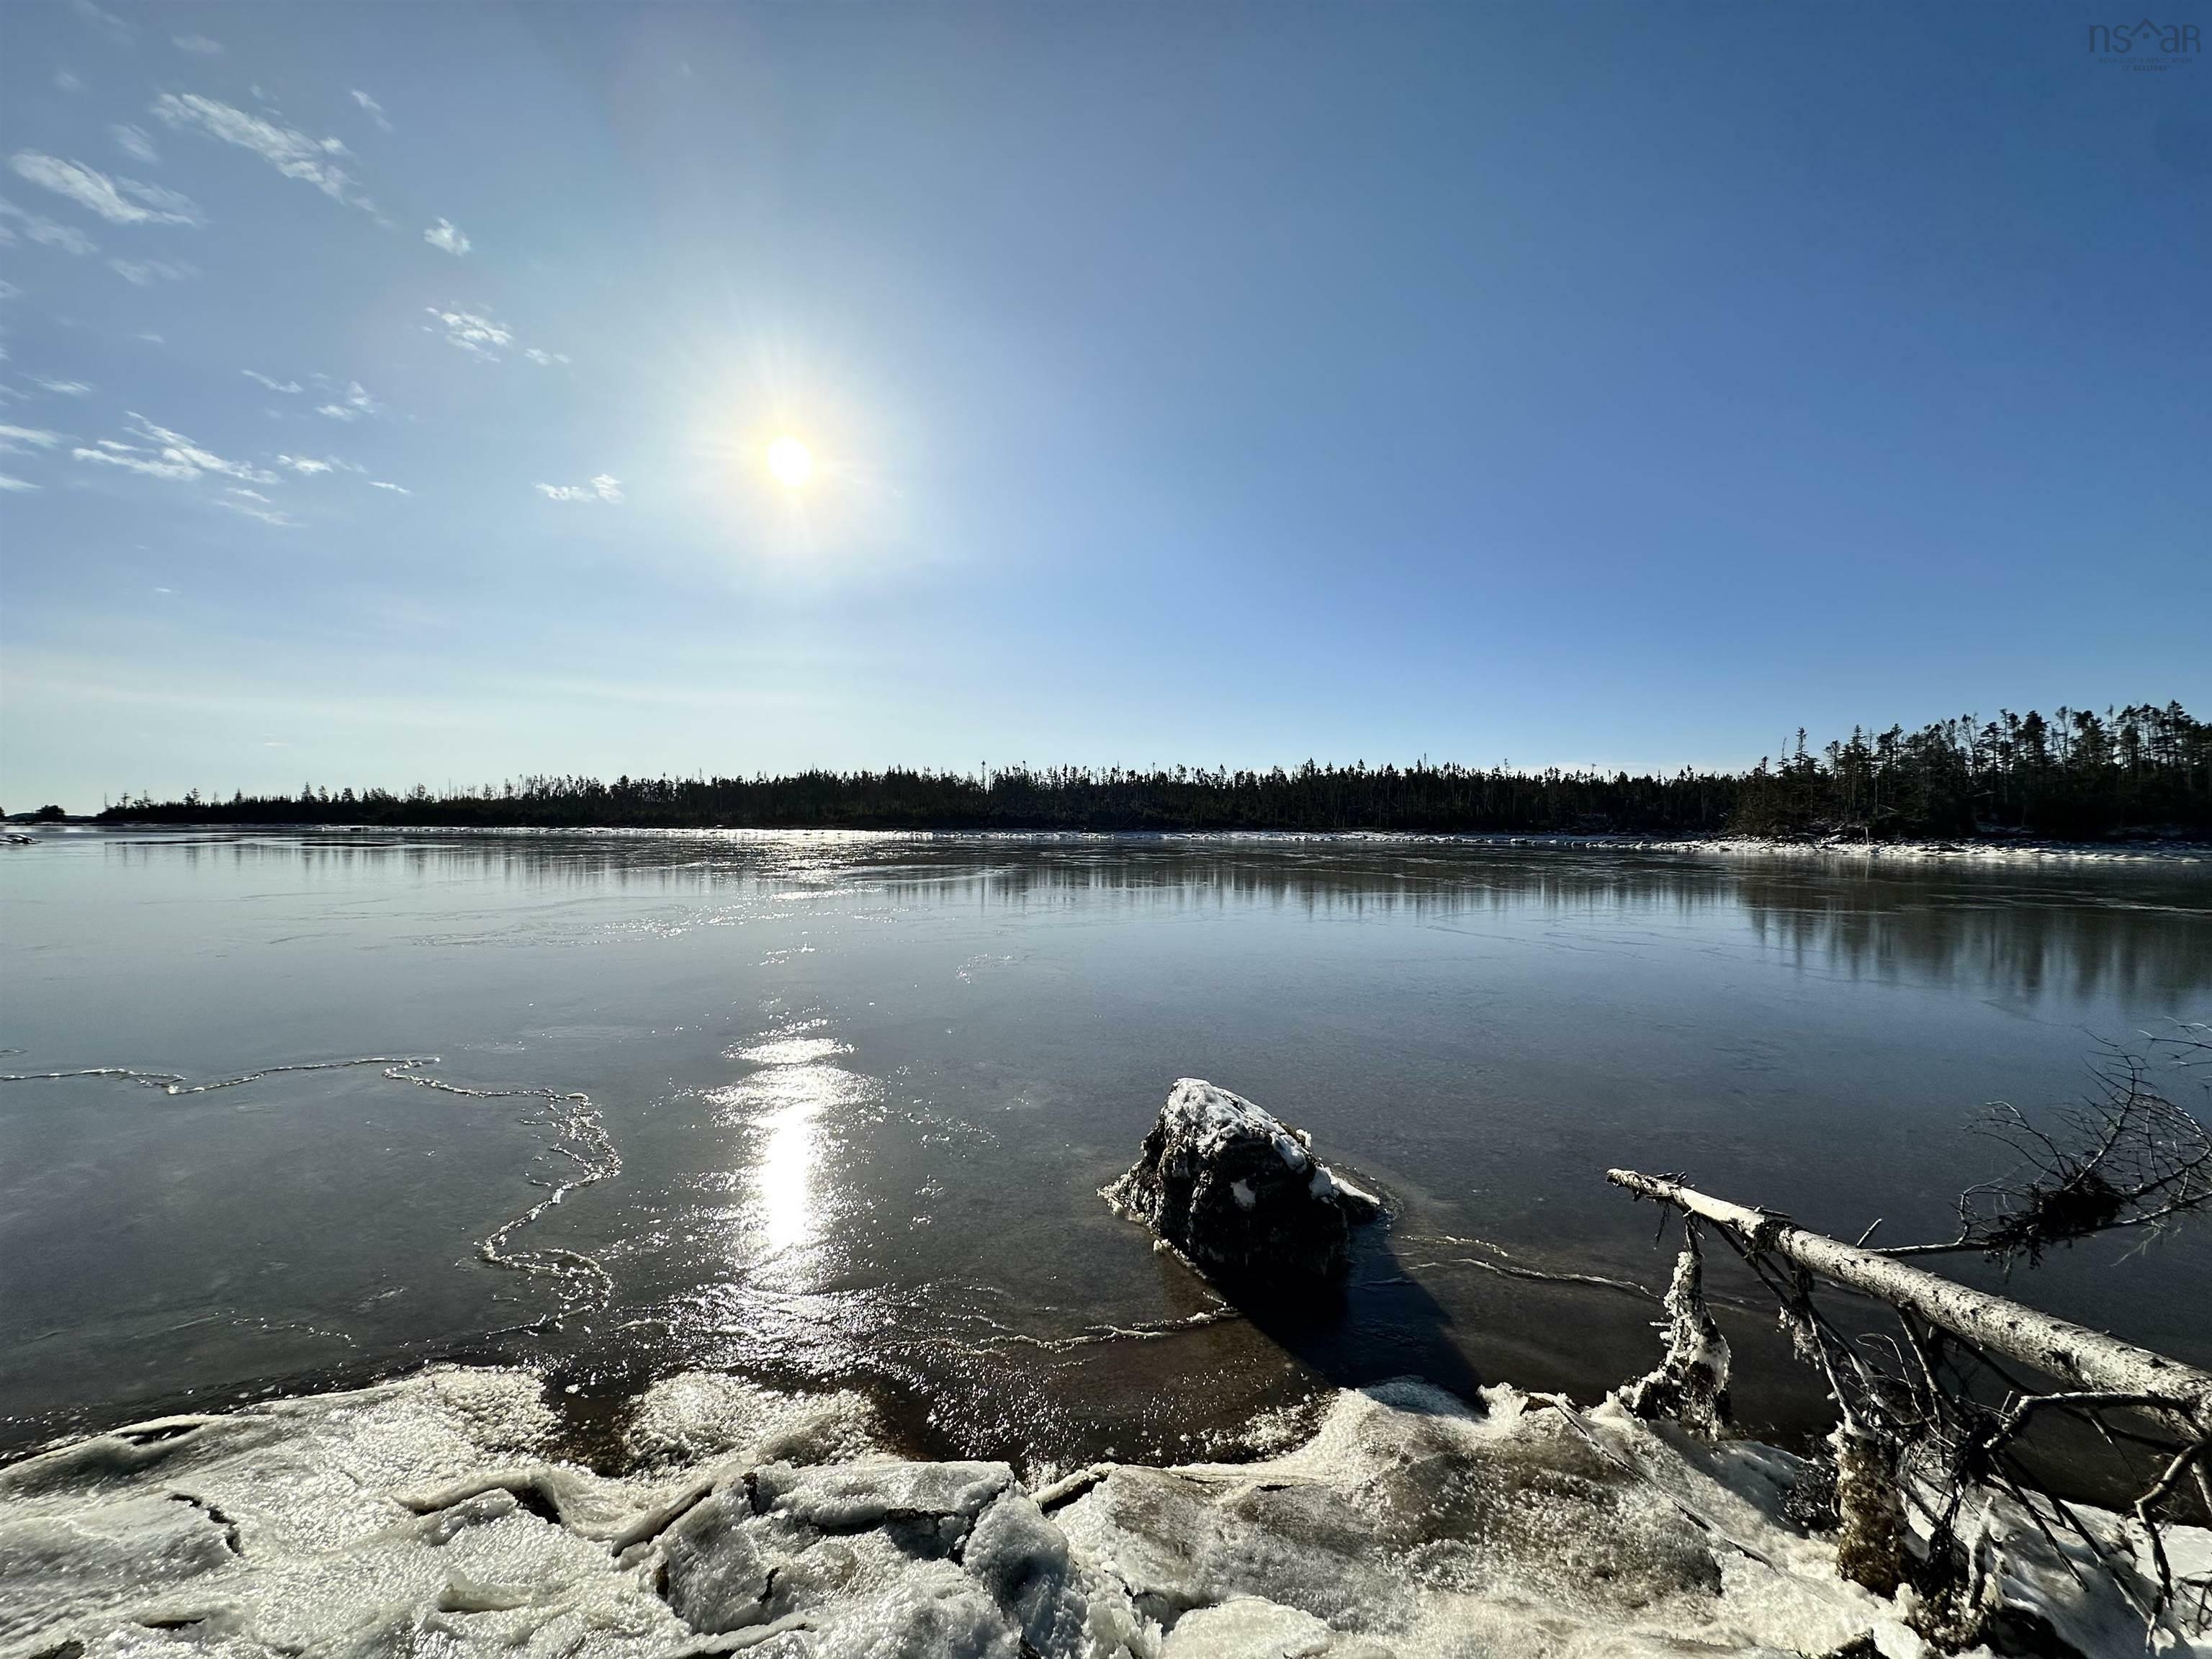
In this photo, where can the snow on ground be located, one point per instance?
(423, 1517)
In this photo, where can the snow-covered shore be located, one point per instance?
(1997, 850)
(425, 1517)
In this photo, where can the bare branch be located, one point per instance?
(2128, 1157)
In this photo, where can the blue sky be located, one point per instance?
(388, 388)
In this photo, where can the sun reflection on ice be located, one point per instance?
(790, 1109)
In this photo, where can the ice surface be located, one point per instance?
(424, 1517)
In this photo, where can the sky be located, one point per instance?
(390, 390)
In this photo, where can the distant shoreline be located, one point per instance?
(1987, 849)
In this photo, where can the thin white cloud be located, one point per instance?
(291, 152)
(448, 235)
(249, 495)
(290, 387)
(119, 201)
(8, 291)
(473, 332)
(266, 514)
(21, 439)
(135, 143)
(375, 109)
(66, 81)
(9, 482)
(604, 488)
(61, 388)
(544, 359)
(169, 454)
(143, 273)
(352, 402)
(68, 238)
(307, 465)
(105, 21)
(396, 490)
(136, 461)
(198, 45)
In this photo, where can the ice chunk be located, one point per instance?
(714, 1572)
(1023, 1560)
(848, 1497)
(698, 1415)
(1253, 1627)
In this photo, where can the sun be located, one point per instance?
(790, 461)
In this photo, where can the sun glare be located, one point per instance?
(790, 461)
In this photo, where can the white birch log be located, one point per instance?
(2086, 1359)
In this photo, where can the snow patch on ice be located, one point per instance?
(412, 1518)
(696, 1416)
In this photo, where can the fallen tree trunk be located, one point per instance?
(2086, 1359)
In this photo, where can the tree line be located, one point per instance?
(2140, 770)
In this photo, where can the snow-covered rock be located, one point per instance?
(1237, 1191)
(425, 1518)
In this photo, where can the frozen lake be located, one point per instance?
(850, 1098)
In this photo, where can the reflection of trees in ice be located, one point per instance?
(2012, 935)
(2086, 929)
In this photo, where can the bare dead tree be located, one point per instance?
(1939, 1411)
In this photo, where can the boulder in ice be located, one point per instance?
(1238, 1193)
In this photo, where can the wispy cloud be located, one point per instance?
(130, 457)
(375, 109)
(307, 465)
(61, 388)
(482, 336)
(448, 235)
(68, 238)
(105, 21)
(10, 482)
(65, 81)
(22, 439)
(605, 488)
(198, 45)
(473, 332)
(143, 273)
(163, 453)
(135, 143)
(291, 152)
(253, 510)
(352, 402)
(289, 387)
(119, 201)
(396, 490)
